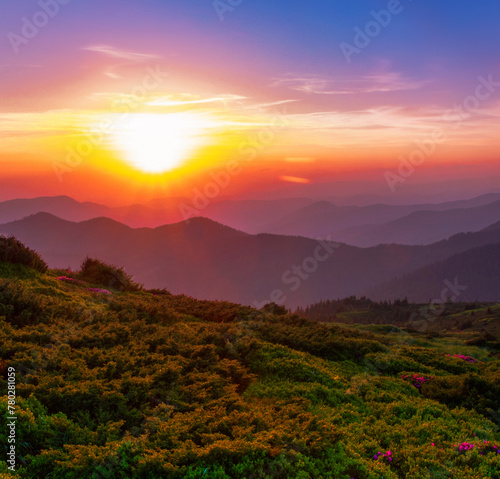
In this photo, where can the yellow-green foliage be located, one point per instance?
(145, 384)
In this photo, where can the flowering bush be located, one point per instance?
(387, 456)
(484, 447)
(99, 290)
(469, 359)
(69, 280)
(465, 446)
(416, 380)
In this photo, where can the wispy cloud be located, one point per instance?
(38, 124)
(391, 126)
(295, 179)
(384, 81)
(186, 99)
(125, 55)
(122, 54)
(305, 84)
(237, 102)
(263, 106)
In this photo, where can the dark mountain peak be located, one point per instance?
(41, 218)
(493, 227)
(59, 197)
(50, 221)
(202, 226)
(63, 199)
(103, 221)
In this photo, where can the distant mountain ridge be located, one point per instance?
(469, 276)
(384, 224)
(423, 227)
(355, 225)
(243, 215)
(208, 260)
(72, 210)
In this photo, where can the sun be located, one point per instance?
(157, 143)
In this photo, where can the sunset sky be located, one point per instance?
(124, 101)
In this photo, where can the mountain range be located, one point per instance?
(208, 260)
(378, 224)
(472, 275)
(355, 225)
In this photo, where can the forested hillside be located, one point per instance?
(475, 273)
(115, 381)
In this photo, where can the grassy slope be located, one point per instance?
(477, 320)
(153, 385)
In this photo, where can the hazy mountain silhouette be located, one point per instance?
(359, 226)
(61, 206)
(251, 215)
(493, 227)
(208, 260)
(380, 223)
(323, 218)
(69, 209)
(469, 276)
(246, 215)
(422, 227)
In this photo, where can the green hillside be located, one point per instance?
(121, 382)
(480, 320)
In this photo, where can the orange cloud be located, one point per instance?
(295, 179)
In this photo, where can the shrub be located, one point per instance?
(13, 251)
(275, 309)
(97, 272)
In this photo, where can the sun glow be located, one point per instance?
(157, 143)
